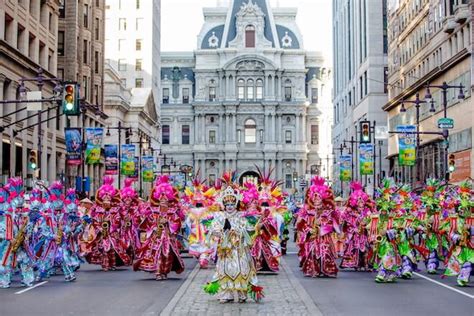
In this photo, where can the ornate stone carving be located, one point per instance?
(213, 40)
(250, 65)
(286, 41)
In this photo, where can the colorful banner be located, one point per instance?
(73, 145)
(94, 137)
(366, 159)
(136, 171)
(148, 174)
(127, 160)
(111, 159)
(345, 173)
(406, 145)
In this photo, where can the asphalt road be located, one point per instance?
(121, 292)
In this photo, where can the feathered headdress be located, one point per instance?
(199, 193)
(107, 189)
(55, 195)
(357, 193)
(128, 190)
(3, 195)
(15, 188)
(162, 190)
(318, 186)
(249, 193)
(71, 201)
(384, 200)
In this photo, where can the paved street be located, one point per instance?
(125, 292)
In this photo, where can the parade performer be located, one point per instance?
(6, 236)
(103, 244)
(316, 222)
(159, 252)
(200, 199)
(129, 211)
(235, 273)
(15, 252)
(433, 218)
(357, 252)
(383, 234)
(460, 231)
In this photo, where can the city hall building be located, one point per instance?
(248, 96)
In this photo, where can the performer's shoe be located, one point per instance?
(5, 286)
(226, 300)
(27, 284)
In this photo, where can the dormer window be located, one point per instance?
(250, 36)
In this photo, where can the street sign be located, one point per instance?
(381, 132)
(445, 123)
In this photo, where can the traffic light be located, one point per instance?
(451, 163)
(295, 176)
(33, 160)
(71, 99)
(365, 135)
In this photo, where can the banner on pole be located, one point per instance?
(127, 161)
(366, 159)
(94, 137)
(406, 145)
(111, 159)
(345, 172)
(147, 169)
(73, 146)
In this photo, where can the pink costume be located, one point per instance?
(129, 211)
(316, 222)
(159, 252)
(104, 245)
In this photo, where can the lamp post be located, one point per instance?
(143, 139)
(444, 90)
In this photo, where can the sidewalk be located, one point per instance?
(283, 296)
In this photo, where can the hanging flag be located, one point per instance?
(345, 173)
(366, 159)
(127, 161)
(94, 137)
(111, 159)
(148, 174)
(136, 172)
(73, 145)
(406, 145)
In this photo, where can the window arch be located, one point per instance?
(250, 36)
(250, 90)
(241, 89)
(250, 131)
(259, 89)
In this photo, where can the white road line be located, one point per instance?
(31, 287)
(444, 285)
(292, 252)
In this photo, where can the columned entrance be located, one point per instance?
(251, 176)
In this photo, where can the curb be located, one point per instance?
(308, 302)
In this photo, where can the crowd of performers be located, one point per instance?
(390, 234)
(238, 229)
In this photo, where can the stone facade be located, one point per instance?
(360, 61)
(430, 42)
(248, 96)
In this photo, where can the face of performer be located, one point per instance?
(163, 203)
(318, 202)
(127, 200)
(360, 203)
(107, 200)
(230, 207)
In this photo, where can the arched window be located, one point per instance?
(250, 131)
(250, 90)
(241, 89)
(259, 91)
(250, 36)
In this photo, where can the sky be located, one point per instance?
(313, 18)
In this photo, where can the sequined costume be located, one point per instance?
(129, 209)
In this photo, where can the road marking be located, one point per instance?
(31, 287)
(292, 252)
(444, 285)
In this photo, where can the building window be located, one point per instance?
(365, 83)
(124, 82)
(212, 137)
(85, 86)
(212, 180)
(250, 90)
(166, 95)
(138, 65)
(288, 181)
(259, 92)
(212, 93)
(86, 16)
(138, 4)
(139, 24)
(165, 134)
(250, 36)
(250, 131)
(60, 43)
(61, 73)
(139, 83)
(314, 134)
(138, 45)
(185, 134)
(122, 65)
(288, 139)
(62, 9)
(287, 94)
(96, 62)
(314, 95)
(122, 24)
(385, 80)
(97, 29)
(84, 52)
(241, 89)
(121, 44)
(185, 95)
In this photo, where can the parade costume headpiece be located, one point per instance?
(107, 190)
(320, 188)
(199, 194)
(465, 196)
(36, 200)
(384, 200)
(230, 196)
(431, 194)
(357, 194)
(163, 190)
(16, 193)
(71, 201)
(249, 193)
(3, 195)
(128, 190)
(56, 197)
(270, 191)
